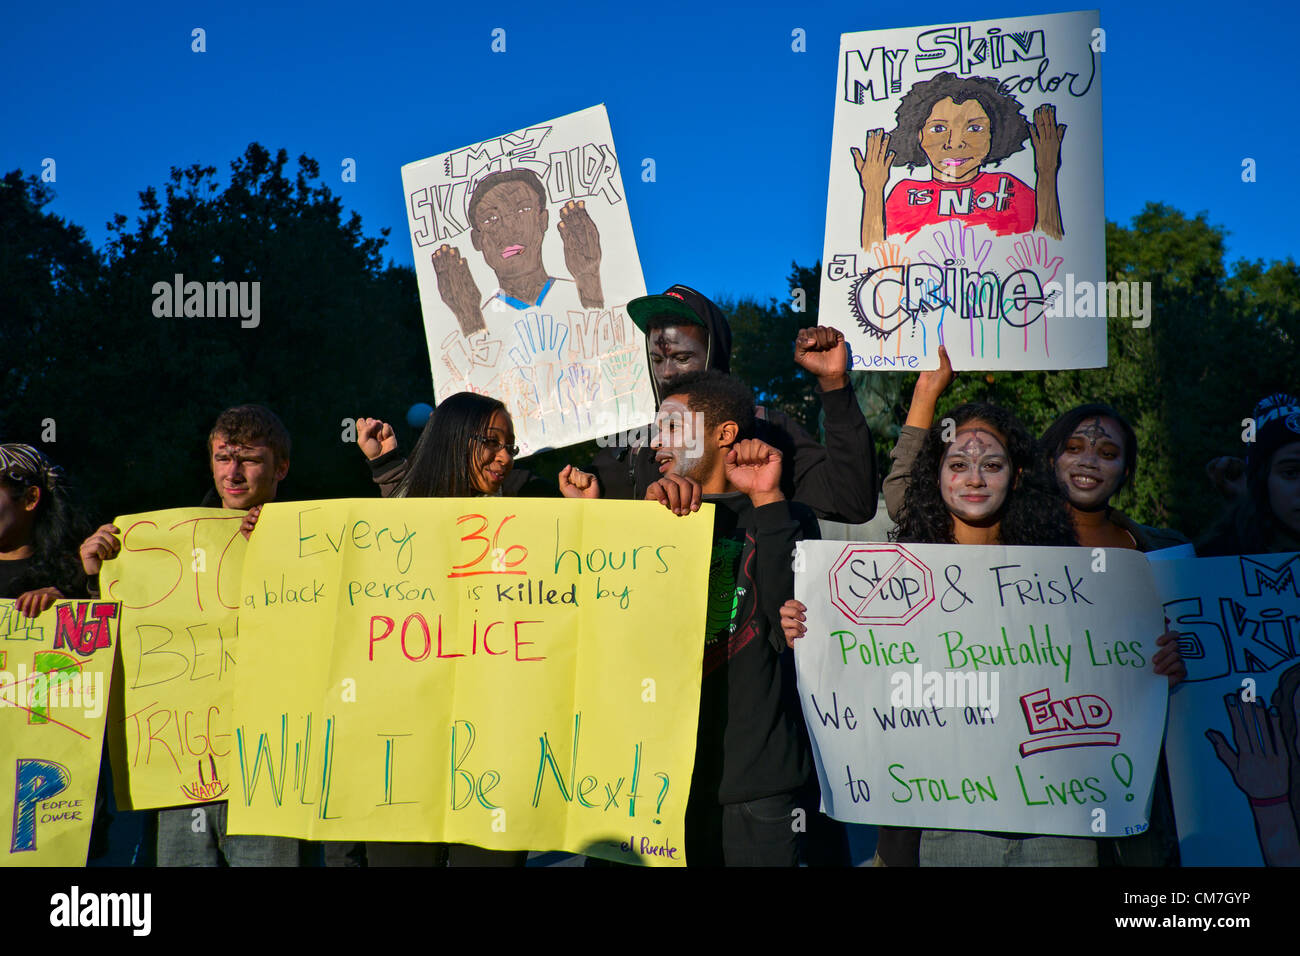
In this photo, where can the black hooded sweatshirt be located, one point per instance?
(838, 482)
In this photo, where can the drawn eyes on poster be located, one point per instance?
(959, 213)
(525, 259)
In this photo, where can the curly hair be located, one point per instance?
(718, 397)
(1009, 130)
(1034, 512)
(252, 425)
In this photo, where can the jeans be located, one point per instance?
(755, 833)
(196, 836)
(965, 848)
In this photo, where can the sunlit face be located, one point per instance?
(975, 475)
(956, 138)
(1091, 467)
(681, 443)
(509, 223)
(17, 515)
(490, 459)
(245, 475)
(676, 350)
(1284, 487)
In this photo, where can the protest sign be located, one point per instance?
(982, 688)
(960, 213)
(491, 225)
(511, 673)
(55, 672)
(177, 577)
(1234, 766)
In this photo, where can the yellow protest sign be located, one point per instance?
(511, 673)
(55, 672)
(177, 577)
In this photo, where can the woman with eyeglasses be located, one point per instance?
(478, 424)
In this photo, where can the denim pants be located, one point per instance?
(196, 836)
(755, 833)
(965, 848)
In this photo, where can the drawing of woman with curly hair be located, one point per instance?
(958, 125)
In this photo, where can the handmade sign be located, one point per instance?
(960, 212)
(515, 674)
(55, 672)
(526, 260)
(982, 688)
(1234, 766)
(177, 577)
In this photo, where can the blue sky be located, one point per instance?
(738, 125)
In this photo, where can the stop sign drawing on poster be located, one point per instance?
(880, 584)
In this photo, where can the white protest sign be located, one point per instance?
(960, 210)
(982, 688)
(1233, 746)
(525, 260)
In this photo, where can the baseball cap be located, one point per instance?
(680, 302)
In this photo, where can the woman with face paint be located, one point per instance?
(1264, 754)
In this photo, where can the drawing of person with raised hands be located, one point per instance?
(508, 219)
(958, 125)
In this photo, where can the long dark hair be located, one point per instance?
(1034, 512)
(58, 527)
(1058, 434)
(442, 462)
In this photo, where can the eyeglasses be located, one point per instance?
(494, 445)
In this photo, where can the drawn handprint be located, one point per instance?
(1030, 252)
(889, 254)
(622, 370)
(960, 244)
(582, 252)
(458, 289)
(541, 340)
(578, 388)
(1259, 762)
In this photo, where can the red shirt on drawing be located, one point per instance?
(997, 200)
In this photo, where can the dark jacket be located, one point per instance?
(838, 481)
(751, 741)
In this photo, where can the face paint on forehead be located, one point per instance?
(1093, 431)
(976, 443)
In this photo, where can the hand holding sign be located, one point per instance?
(100, 547)
(458, 289)
(792, 621)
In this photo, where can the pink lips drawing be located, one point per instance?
(509, 251)
(953, 162)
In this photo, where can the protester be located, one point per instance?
(248, 451)
(751, 755)
(39, 532)
(467, 449)
(976, 479)
(685, 332)
(1266, 518)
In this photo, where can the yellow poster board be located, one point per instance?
(517, 674)
(177, 577)
(55, 673)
